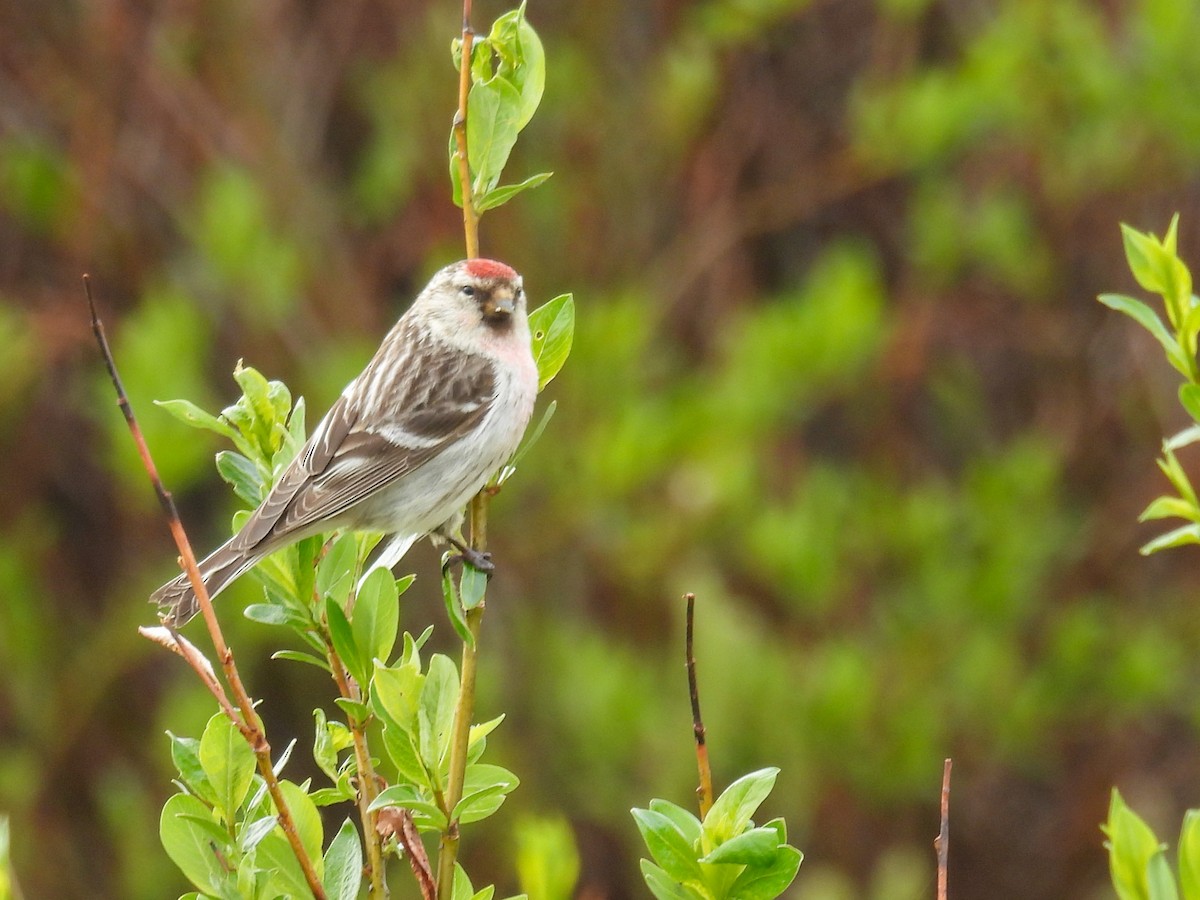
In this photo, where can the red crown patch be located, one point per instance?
(489, 268)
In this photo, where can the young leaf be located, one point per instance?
(1131, 844)
(228, 762)
(1185, 534)
(454, 610)
(1160, 881)
(756, 847)
(343, 864)
(522, 60)
(732, 810)
(552, 326)
(1148, 319)
(190, 414)
(335, 574)
(501, 195)
(472, 586)
(1189, 855)
(1169, 507)
(669, 848)
(1189, 397)
(484, 789)
(396, 692)
(685, 823)
(769, 882)
(439, 695)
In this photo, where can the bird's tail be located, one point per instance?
(176, 600)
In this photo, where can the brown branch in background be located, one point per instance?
(942, 843)
(470, 218)
(247, 721)
(705, 790)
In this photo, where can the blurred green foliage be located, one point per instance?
(840, 374)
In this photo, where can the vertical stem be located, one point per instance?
(470, 217)
(464, 712)
(943, 839)
(705, 790)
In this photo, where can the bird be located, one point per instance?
(441, 406)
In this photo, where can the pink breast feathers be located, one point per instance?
(489, 268)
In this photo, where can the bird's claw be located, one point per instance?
(478, 559)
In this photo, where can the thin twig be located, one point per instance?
(470, 218)
(244, 717)
(942, 843)
(705, 791)
(464, 712)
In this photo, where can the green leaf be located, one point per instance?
(228, 762)
(664, 888)
(756, 847)
(324, 750)
(1189, 855)
(242, 474)
(343, 864)
(484, 789)
(1170, 467)
(439, 696)
(669, 848)
(252, 834)
(335, 573)
(396, 692)
(500, 195)
(1186, 534)
(1160, 881)
(190, 414)
(479, 732)
(472, 586)
(770, 882)
(274, 614)
(1169, 507)
(731, 811)
(1131, 845)
(342, 637)
(185, 754)
(1189, 397)
(376, 618)
(552, 327)
(401, 747)
(355, 710)
(189, 845)
(1148, 319)
(454, 610)
(301, 656)
(546, 858)
(522, 60)
(286, 878)
(1146, 258)
(685, 823)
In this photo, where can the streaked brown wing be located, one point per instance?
(351, 455)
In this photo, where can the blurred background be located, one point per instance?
(839, 370)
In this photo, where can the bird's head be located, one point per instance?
(480, 291)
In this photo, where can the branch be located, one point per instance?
(244, 717)
(942, 842)
(470, 217)
(705, 790)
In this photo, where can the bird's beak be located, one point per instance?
(503, 304)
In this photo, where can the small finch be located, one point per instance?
(441, 406)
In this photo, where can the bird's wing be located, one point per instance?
(354, 452)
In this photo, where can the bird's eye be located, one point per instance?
(467, 290)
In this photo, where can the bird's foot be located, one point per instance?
(479, 559)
